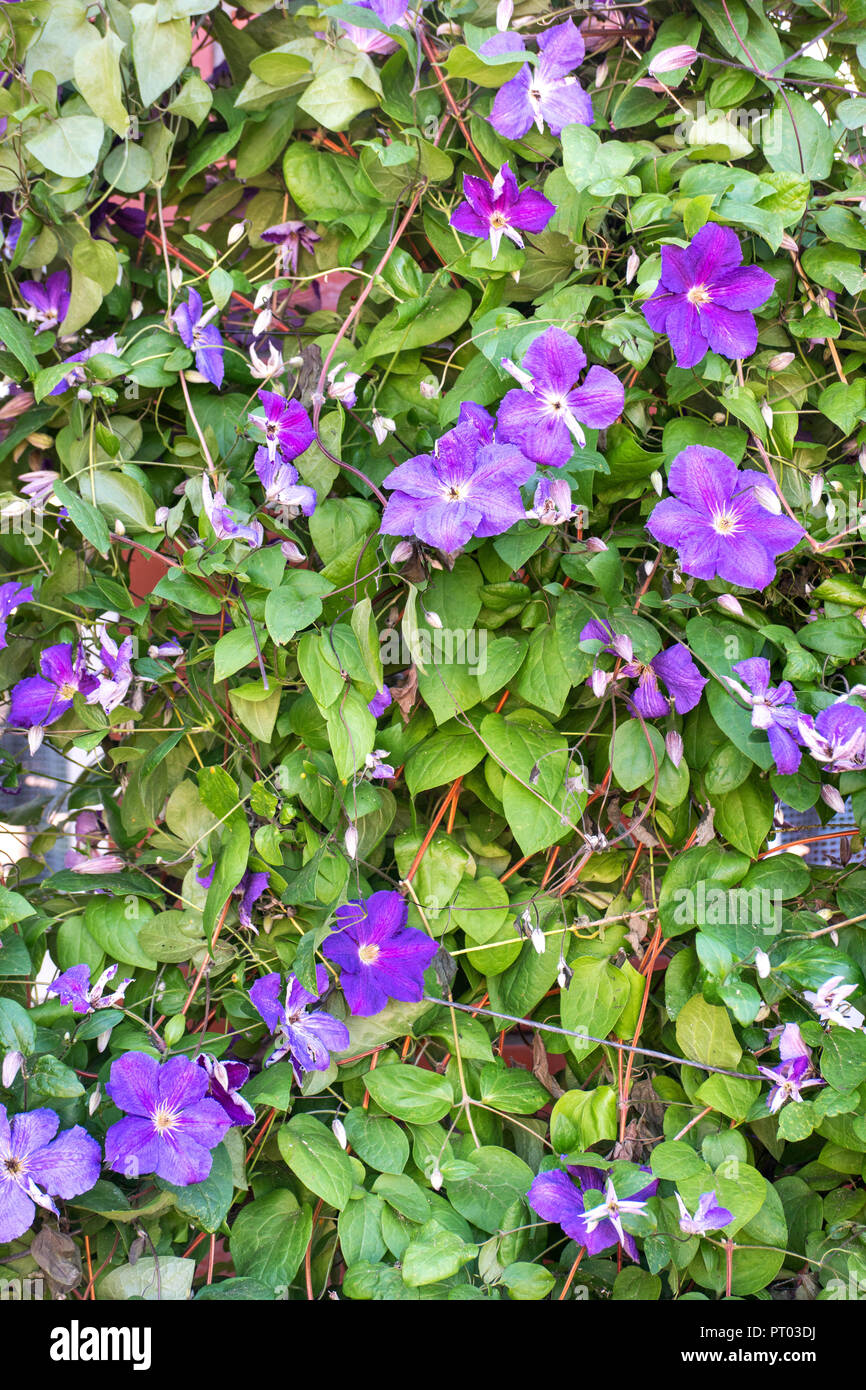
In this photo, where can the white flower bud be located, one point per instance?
(537, 938)
(595, 545)
(434, 620)
(12, 1064)
(833, 798)
(103, 1040)
(263, 294)
(599, 681)
(674, 746)
(657, 481)
(429, 388)
(350, 840)
(631, 266)
(94, 1101)
(382, 426)
(136, 308)
(730, 604)
(762, 965)
(504, 11)
(788, 243)
(780, 361)
(119, 528)
(622, 646)
(601, 73)
(262, 323)
(402, 551)
(767, 414)
(436, 1178)
(769, 499)
(340, 1132)
(816, 488)
(235, 233)
(682, 55)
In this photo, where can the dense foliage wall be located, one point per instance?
(433, 448)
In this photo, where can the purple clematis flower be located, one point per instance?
(546, 415)
(836, 737)
(282, 489)
(552, 504)
(40, 700)
(286, 426)
(77, 375)
(250, 888)
(291, 238)
(223, 520)
(394, 13)
(307, 1039)
(11, 595)
(114, 675)
(74, 987)
(375, 767)
(831, 1004)
(717, 523)
(789, 1078)
(498, 209)
(49, 301)
(34, 1167)
(674, 667)
(170, 1125)
(380, 702)
(224, 1082)
(467, 487)
(555, 1197)
(709, 1216)
(201, 336)
(705, 297)
(380, 958)
(545, 93)
(774, 710)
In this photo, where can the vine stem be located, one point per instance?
(475, 1009)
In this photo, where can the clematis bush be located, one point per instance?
(432, 628)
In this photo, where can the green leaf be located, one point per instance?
(97, 77)
(312, 1152)
(160, 50)
(408, 1093)
(494, 1181)
(705, 1034)
(68, 146)
(269, 1239)
(594, 1000)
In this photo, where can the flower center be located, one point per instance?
(698, 295)
(13, 1166)
(726, 523)
(67, 691)
(369, 954)
(454, 494)
(164, 1119)
(499, 220)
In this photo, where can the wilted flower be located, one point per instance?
(709, 1216)
(202, 337)
(290, 238)
(307, 1039)
(830, 1003)
(225, 524)
(74, 987)
(552, 504)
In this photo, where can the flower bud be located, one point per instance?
(339, 1130)
(599, 681)
(235, 233)
(504, 11)
(434, 620)
(657, 481)
(833, 798)
(769, 499)
(767, 414)
(631, 266)
(436, 1178)
(762, 965)
(816, 488)
(537, 938)
(682, 55)
(674, 746)
(136, 308)
(595, 544)
(730, 604)
(780, 361)
(262, 323)
(12, 1064)
(350, 840)
(176, 277)
(95, 1100)
(402, 551)
(601, 73)
(788, 243)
